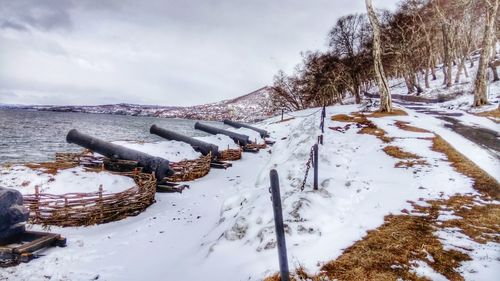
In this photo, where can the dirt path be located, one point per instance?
(486, 138)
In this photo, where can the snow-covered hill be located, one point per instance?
(251, 107)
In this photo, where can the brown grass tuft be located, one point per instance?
(367, 126)
(494, 115)
(483, 182)
(348, 118)
(50, 167)
(299, 275)
(405, 127)
(397, 152)
(387, 252)
(478, 220)
(376, 131)
(395, 112)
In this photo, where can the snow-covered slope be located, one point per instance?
(222, 227)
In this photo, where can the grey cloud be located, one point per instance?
(5, 24)
(164, 52)
(44, 15)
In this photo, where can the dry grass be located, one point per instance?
(478, 220)
(376, 131)
(397, 152)
(405, 127)
(494, 114)
(50, 167)
(395, 112)
(483, 182)
(299, 275)
(348, 118)
(367, 126)
(387, 253)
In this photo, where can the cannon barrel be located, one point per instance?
(241, 139)
(263, 133)
(203, 147)
(150, 163)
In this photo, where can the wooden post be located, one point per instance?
(278, 225)
(66, 213)
(282, 112)
(320, 139)
(37, 204)
(101, 205)
(315, 163)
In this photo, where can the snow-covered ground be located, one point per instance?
(222, 141)
(76, 179)
(222, 227)
(173, 151)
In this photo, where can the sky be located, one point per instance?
(161, 52)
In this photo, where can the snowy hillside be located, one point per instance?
(222, 227)
(251, 107)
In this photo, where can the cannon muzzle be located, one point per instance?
(240, 139)
(263, 133)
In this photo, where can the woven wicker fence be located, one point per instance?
(256, 145)
(230, 155)
(83, 209)
(188, 170)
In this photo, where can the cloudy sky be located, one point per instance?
(155, 51)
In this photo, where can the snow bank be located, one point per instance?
(222, 141)
(76, 179)
(173, 151)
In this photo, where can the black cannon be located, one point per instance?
(12, 214)
(203, 147)
(240, 139)
(263, 133)
(149, 163)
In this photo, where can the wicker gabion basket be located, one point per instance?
(257, 145)
(84, 209)
(230, 154)
(188, 170)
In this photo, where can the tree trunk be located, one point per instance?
(461, 67)
(357, 95)
(385, 96)
(481, 84)
(409, 85)
(427, 86)
(495, 72)
(433, 68)
(447, 54)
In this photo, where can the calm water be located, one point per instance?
(37, 135)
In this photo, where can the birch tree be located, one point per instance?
(385, 96)
(481, 83)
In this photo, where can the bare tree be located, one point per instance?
(348, 41)
(385, 96)
(481, 83)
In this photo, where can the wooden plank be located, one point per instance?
(251, 150)
(220, 165)
(37, 244)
